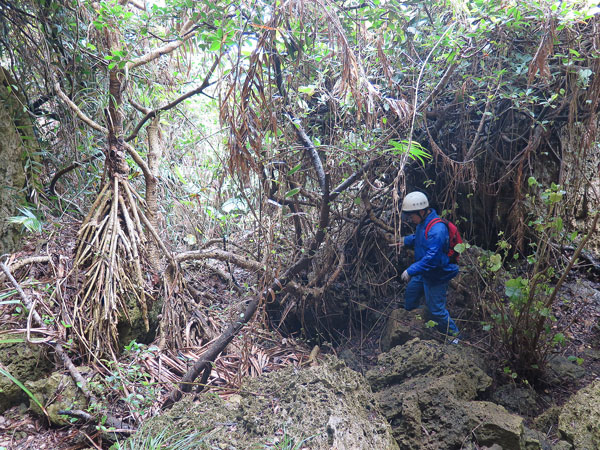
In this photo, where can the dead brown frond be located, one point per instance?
(539, 64)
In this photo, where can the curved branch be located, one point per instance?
(66, 170)
(23, 262)
(312, 151)
(220, 255)
(187, 31)
(78, 111)
(151, 114)
(350, 180)
(438, 87)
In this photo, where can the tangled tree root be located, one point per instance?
(111, 239)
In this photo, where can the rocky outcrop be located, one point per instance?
(24, 362)
(428, 392)
(579, 418)
(323, 407)
(402, 326)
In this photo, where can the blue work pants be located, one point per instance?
(435, 300)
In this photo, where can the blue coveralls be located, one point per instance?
(431, 272)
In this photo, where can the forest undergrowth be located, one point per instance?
(135, 385)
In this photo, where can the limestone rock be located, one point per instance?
(25, 362)
(517, 399)
(418, 357)
(56, 393)
(495, 425)
(561, 370)
(580, 416)
(326, 406)
(401, 327)
(428, 392)
(536, 440)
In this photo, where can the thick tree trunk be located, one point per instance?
(14, 125)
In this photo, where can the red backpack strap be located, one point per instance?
(430, 224)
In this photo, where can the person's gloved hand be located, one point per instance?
(398, 244)
(405, 276)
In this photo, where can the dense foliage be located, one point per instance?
(281, 136)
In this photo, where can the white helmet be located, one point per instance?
(415, 201)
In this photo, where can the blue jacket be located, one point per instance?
(431, 254)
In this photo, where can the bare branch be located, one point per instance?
(312, 151)
(139, 161)
(350, 180)
(187, 31)
(150, 114)
(220, 255)
(23, 262)
(78, 111)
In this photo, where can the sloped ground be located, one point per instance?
(261, 352)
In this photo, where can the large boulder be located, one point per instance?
(428, 392)
(579, 420)
(23, 362)
(326, 406)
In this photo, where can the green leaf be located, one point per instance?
(415, 150)
(215, 45)
(495, 262)
(559, 339)
(295, 169)
(308, 90)
(460, 248)
(292, 192)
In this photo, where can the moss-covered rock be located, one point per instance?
(327, 406)
(132, 328)
(25, 362)
(562, 370)
(517, 399)
(428, 392)
(55, 393)
(418, 357)
(579, 420)
(548, 420)
(495, 425)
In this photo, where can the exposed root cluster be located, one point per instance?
(111, 239)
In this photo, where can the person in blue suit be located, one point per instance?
(429, 275)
